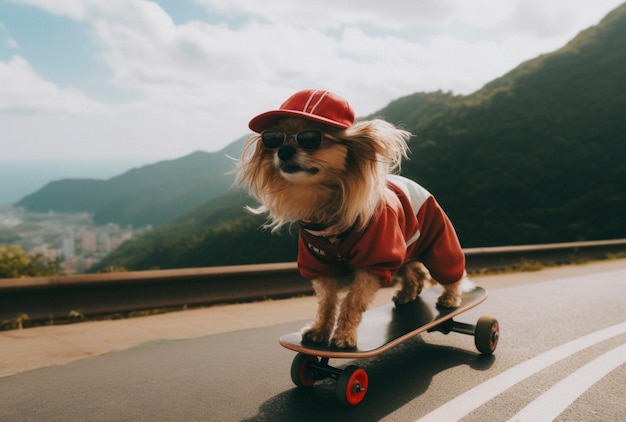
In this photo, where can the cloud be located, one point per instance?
(23, 91)
(200, 81)
(274, 47)
(324, 14)
(203, 68)
(532, 15)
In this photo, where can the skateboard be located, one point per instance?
(381, 329)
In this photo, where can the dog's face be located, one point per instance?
(303, 152)
(303, 171)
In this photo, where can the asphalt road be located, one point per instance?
(561, 355)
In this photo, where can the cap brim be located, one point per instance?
(264, 120)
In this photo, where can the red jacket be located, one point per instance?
(412, 225)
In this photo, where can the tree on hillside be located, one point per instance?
(14, 262)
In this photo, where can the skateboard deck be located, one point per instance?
(381, 329)
(389, 325)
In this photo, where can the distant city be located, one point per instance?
(72, 237)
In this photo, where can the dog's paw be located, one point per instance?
(313, 335)
(402, 297)
(449, 300)
(344, 340)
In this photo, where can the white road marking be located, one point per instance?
(472, 399)
(554, 401)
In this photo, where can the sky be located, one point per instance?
(152, 80)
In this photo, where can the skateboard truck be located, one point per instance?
(486, 332)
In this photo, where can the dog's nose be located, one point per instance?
(286, 152)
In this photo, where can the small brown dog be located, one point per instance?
(309, 164)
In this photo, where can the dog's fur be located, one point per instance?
(340, 185)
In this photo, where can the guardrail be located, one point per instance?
(53, 298)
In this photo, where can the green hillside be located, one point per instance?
(151, 194)
(218, 232)
(536, 156)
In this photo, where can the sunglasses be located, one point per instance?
(307, 139)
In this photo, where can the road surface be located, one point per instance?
(561, 356)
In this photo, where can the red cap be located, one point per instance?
(317, 105)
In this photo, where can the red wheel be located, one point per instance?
(352, 385)
(300, 372)
(486, 334)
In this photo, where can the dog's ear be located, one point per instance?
(379, 141)
(375, 149)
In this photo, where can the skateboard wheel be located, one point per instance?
(352, 385)
(486, 334)
(300, 371)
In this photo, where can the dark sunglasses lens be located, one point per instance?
(273, 139)
(310, 139)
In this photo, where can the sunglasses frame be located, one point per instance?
(296, 136)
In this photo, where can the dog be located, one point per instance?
(310, 165)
